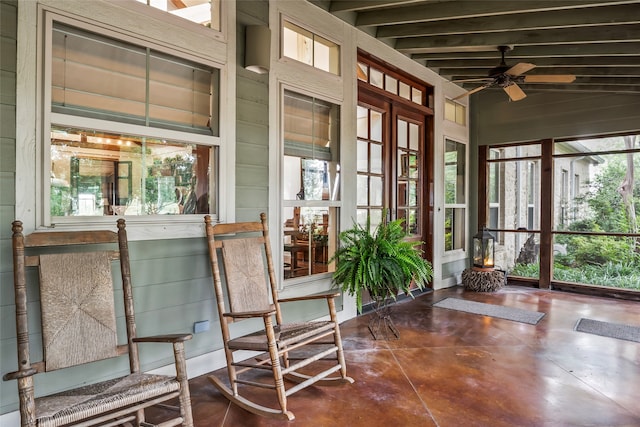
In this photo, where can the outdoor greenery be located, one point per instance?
(609, 206)
(381, 262)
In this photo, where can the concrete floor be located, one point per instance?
(452, 369)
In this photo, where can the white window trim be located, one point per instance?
(449, 255)
(301, 281)
(32, 157)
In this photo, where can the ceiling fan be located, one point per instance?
(508, 77)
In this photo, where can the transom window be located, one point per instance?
(310, 48)
(455, 112)
(203, 12)
(393, 84)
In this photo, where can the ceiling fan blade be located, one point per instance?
(478, 89)
(551, 78)
(514, 92)
(520, 68)
(483, 79)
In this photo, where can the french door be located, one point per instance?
(393, 151)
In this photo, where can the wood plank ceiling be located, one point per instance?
(597, 41)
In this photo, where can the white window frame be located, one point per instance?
(33, 158)
(464, 205)
(283, 58)
(303, 203)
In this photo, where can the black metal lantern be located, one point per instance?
(483, 250)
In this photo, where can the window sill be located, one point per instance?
(138, 228)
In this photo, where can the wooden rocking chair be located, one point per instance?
(79, 326)
(251, 289)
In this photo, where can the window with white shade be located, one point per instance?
(311, 183)
(132, 131)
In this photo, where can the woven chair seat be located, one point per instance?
(288, 333)
(81, 403)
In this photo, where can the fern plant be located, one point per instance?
(381, 262)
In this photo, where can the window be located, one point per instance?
(309, 48)
(203, 12)
(311, 174)
(455, 195)
(455, 112)
(133, 131)
(392, 84)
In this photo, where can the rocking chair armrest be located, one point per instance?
(248, 314)
(22, 373)
(169, 338)
(327, 295)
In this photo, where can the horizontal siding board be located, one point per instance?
(251, 197)
(153, 249)
(8, 19)
(7, 155)
(7, 192)
(7, 121)
(252, 174)
(253, 155)
(252, 112)
(8, 47)
(252, 133)
(7, 214)
(252, 91)
(7, 87)
(250, 214)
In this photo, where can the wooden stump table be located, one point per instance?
(483, 280)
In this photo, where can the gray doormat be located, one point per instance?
(607, 329)
(492, 310)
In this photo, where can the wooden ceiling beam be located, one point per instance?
(588, 61)
(587, 17)
(532, 52)
(605, 33)
(467, 9)
(577, 71)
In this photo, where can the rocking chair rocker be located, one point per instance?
(304, 353)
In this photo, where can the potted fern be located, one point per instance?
(381, 262)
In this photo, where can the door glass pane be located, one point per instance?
(413, 193)
(376, 126)
(376, 158)
(363, 190)
(402, 133)
(413, 166)
(363, 122)
(412, 222)
(375, 191)
(363, 156)
(454, 228)
(402, 194)
(414, 136)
